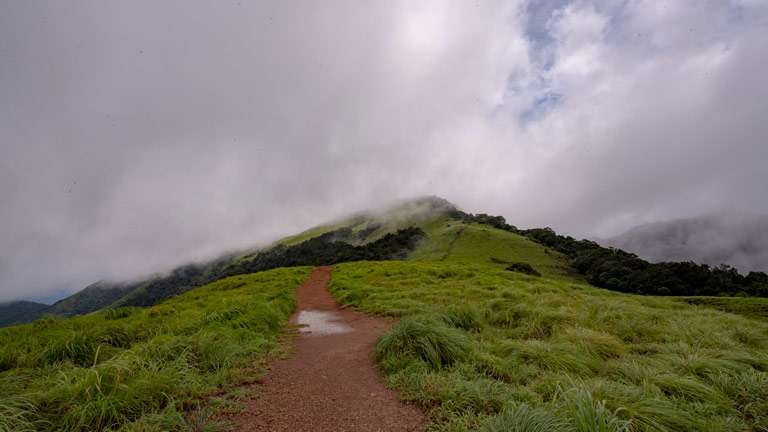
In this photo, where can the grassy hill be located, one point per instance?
(453, 241)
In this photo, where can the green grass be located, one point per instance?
(755, 307)
(481, 348)
(137, 369)
(459, 243)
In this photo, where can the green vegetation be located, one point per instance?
(329, 248)
(134, 369)
(748, 306)
(618, 270)
(481, 348)
(451, 241)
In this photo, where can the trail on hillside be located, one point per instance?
(329, 383)
(451, 245)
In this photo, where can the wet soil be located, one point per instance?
(329, 383)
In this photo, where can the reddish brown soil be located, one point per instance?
(329, 383)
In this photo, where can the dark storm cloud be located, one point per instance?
(138, 135)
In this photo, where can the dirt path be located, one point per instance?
(329, 383)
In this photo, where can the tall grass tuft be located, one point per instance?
(425, 338)
(524, 418)
(16, 414)
(465, 317)
(590, 415)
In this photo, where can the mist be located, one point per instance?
(135, 136)
(740, 241)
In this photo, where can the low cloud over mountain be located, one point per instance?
(717, 239)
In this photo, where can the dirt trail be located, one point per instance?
(329, 383)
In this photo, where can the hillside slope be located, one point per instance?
(455, 241)
(93, 297)
(142, 369)
(484, 349)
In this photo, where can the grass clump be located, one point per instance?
(590, 415)
(465, 317)
(16, 415)
(425, 338)
(524, 418)
(134, 369)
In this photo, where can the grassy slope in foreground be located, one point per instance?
(139, 369)
(483, 348)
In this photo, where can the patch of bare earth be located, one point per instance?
(329, 383)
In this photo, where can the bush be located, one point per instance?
(524, 268)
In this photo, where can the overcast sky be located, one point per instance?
(136, 135)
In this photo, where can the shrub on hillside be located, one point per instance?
(524, 268)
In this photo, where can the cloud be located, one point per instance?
(136, 136)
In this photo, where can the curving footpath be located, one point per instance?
(329, 383)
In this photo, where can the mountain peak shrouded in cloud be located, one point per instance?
(137, 135)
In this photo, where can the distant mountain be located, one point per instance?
(18, 312)
(93, 297)
(741, 242)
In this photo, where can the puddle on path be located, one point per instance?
(321, 323)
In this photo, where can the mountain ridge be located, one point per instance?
(20, 311)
